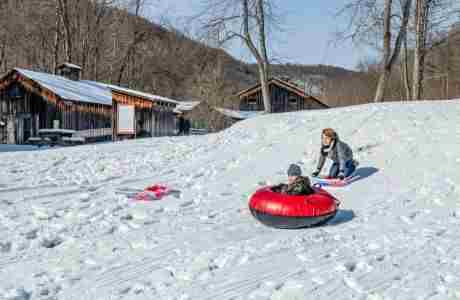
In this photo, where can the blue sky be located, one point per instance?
(308, 31)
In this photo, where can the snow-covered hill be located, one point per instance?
(68, 231)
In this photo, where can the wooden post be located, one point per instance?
(114, 121)
(11, 129)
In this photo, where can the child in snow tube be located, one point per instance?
(297, 184)
(293, 205)
(339, 152)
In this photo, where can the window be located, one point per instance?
(16, 92)
(293, 101)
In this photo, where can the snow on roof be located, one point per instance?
(85, 90)
(186, 106)
(238, 114)
(131, 92)
(69, 65)
(70, 90)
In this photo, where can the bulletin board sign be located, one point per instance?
(126, 123)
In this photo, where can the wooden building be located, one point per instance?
(153, 115)
(30, 101)
(285, 96)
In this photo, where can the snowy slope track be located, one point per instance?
(70, 231)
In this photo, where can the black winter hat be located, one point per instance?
(294, 170)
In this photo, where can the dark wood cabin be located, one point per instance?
(30, 101)
(285, 97)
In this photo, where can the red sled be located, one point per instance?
(154, 192)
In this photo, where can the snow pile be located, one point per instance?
(70, 231)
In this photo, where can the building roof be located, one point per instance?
(68, 89)
(283, 84)
(85, 90)
(132, 92)
(238, 114)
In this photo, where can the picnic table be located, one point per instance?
(55, 133)
(54, 137)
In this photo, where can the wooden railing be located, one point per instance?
(98, 132)
(198, 131)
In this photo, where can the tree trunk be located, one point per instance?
(56, 40)
(260, 56)
(419, 53)
(448, 67)
(138, 38)
(379, 94)
(64, 15)
(264, 68)
(405, 72)
(265, 90)
(96, 64)
(2, 55)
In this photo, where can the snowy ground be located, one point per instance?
(68, 231)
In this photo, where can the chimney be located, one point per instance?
(70, 71)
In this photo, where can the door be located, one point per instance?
(3, 129)
(27, 128)
(23, 128)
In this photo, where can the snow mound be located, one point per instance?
(70, 229)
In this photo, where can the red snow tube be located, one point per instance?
(289, 212)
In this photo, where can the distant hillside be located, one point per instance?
(302, 71)
(114, 46)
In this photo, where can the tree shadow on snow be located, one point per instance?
(364, 172)
(342, 216)
(367, 148)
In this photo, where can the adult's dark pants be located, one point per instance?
(348, 170)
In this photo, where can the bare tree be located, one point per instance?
(431, 16)
(138, 37)
(390, 57)
(442, 65)
(367, 21)
(245, 20)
